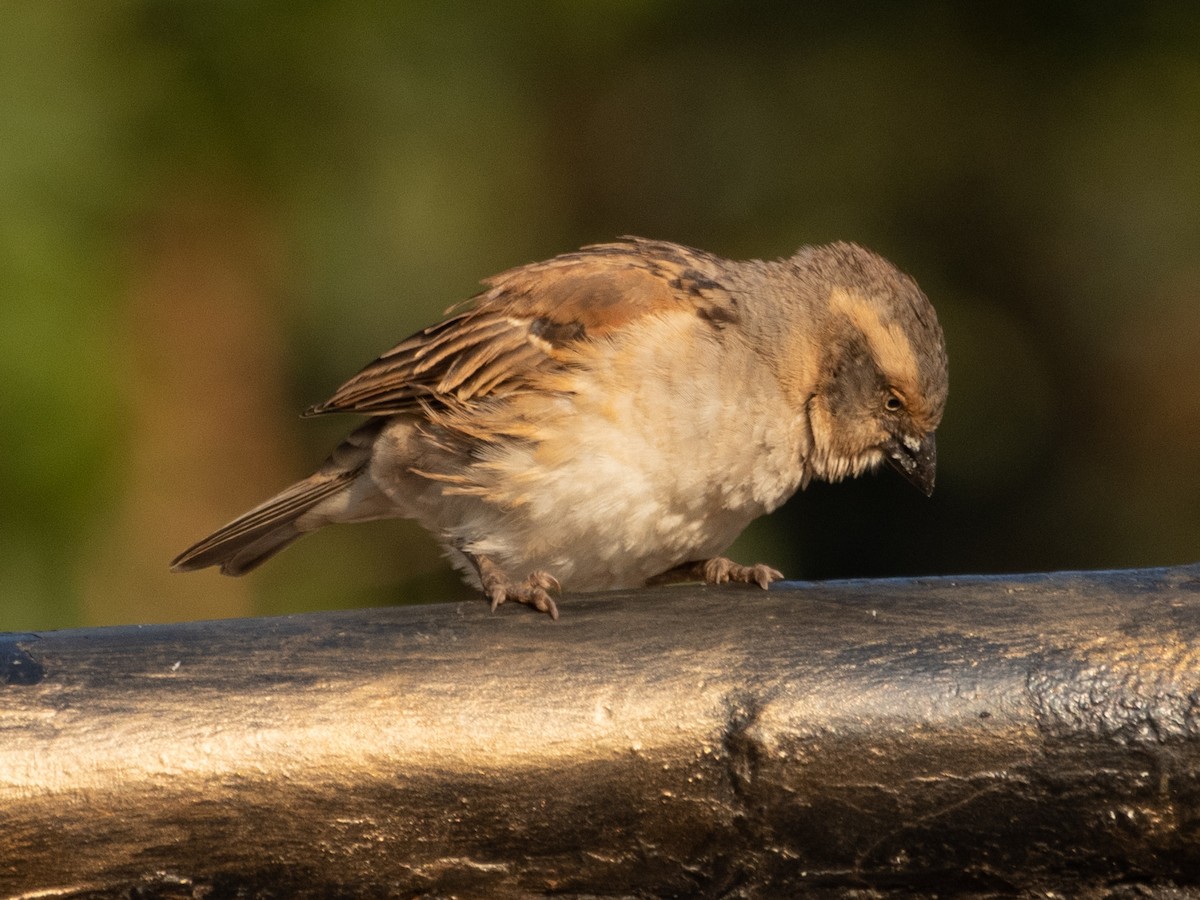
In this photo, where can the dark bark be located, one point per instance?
(977, 736)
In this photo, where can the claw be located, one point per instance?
(764, 575)
(545, 581)
(533, 591)
(543, 602)
(718, 570)
(498, 596)
(538, 584)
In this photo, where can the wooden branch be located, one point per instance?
(953, 735)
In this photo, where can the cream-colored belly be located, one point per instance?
(624, 484)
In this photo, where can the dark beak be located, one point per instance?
(915, 459)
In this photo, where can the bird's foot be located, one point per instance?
(719, 570)
(533, 591)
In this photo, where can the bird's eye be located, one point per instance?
(893, 403)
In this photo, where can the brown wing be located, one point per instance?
(528, 320)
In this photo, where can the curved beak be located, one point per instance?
(915, 459)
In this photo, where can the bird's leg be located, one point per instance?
(718, 570)
(533, 591)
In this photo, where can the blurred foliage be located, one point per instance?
(216, 211)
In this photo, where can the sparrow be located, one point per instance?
(615, 416)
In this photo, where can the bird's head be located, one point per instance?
(881, 383)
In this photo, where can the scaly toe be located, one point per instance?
(719, 570)
(763, 575)
(533, 595)
(498, 595)
(543, 602)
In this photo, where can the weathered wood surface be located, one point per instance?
(974, 736)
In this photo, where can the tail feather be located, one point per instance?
(254, 537)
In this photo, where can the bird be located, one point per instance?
(615, 416)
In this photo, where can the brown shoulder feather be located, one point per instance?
(529, 319)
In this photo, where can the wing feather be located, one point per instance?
(530, 320)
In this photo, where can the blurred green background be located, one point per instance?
(214, 212)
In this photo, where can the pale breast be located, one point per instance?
(664, 447)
